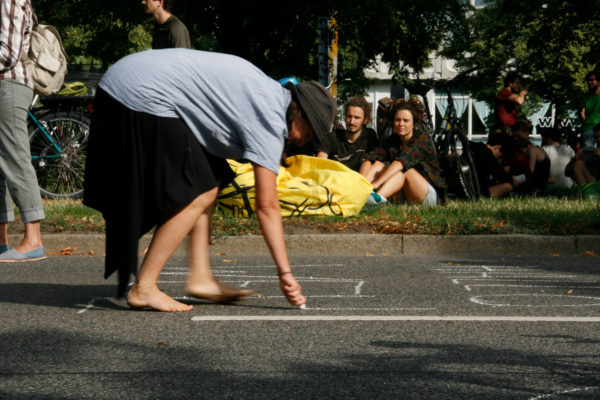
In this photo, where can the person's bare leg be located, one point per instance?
(416, 187)
(372, 171)
(364, 168)
(581, 174)
(500, 189)
(32, 238)
(201, 282)
(166, 239)
(392, 185)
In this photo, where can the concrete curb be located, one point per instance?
(359, 244)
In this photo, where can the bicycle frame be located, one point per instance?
(46, 135)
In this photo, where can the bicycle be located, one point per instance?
(451, 142)
(58, 141)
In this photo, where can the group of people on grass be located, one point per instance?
(404, 165)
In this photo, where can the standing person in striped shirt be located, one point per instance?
(18, 181)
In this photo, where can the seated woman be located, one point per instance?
(407, 165)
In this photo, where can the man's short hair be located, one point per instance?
(362, 103)
(510, 78)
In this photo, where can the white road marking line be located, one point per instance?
(564, 286)
(467, 318)
(556, 394)
(358, 287)
(482, 300)
(298, 278)
(91, 304)
(329, 296)
(456, 281)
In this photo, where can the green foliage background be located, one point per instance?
(553, 43)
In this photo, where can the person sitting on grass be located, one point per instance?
(584, 168)
(348, 145)
(407, 165)
(560, 155)
(494, 181)
(539, 162)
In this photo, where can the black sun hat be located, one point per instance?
(317, 104)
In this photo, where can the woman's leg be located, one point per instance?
(166, 239)
(392, 185)
(416, 187)
(201, 282)
(18, 174)
(375, 172)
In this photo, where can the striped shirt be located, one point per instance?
(15, 34)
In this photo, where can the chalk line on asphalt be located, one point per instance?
(383, 318)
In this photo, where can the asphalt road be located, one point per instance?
(398, 326)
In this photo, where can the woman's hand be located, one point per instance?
(291, 289)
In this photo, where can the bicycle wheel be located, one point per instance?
(467, 174)
(58, 149)
(458, 165)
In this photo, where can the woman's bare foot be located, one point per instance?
(215, 292)
(154, 298)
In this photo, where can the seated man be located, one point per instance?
(349, 145)
(585, 166)
(494, 181)
(560, 155)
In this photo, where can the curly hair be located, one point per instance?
(414, 107)
(361, 103)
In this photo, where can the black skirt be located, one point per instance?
(140, 171)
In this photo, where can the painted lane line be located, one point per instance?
(483, 300)
(358, 287)
(563, 392)
(328, 296)
(275, 268)
(305, 278)
(466, 318)
(456, 281)
(566, 285)
(91, 304)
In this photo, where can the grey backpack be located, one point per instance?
(47, 60)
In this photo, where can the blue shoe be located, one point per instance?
(13, 255)
(4, 248)
(374, 201)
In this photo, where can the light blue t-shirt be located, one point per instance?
(232, 107)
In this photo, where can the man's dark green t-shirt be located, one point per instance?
(172, 33)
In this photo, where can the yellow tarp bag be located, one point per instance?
(309, 186)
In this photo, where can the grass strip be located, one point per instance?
(538, 216)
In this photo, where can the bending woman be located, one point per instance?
(407, 165)
(164, 123)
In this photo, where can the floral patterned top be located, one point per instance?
(418, 153)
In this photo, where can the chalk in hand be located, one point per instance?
(303, 306)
